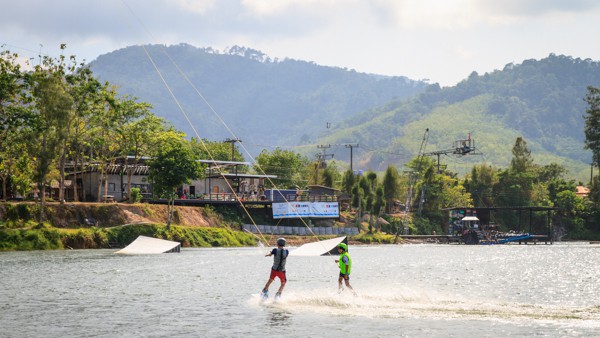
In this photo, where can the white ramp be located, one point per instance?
(149, 245)
(320, 248)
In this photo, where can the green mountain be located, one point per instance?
(270, 103)
(243, 93)
(540, 100)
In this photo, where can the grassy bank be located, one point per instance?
(49, 238)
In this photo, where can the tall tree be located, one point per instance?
(85, 90)
(348, 181)
(332, 175)
(481, 185)
(378, 205)
(391, 186)
(13, 116)
(592, 134)
(592, 123)
(137, 138)
(522, 160)
(172, 165)
(51, 107)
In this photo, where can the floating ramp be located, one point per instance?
(148, 245)
(321, 248)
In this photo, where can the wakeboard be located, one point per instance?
(264, 296)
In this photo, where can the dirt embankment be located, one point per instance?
(72, 215)
(78, 215)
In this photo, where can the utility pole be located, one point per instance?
(232, 141)
(320, 159)
(351, 146)
(324, 147)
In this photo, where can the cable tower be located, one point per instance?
(459, 147)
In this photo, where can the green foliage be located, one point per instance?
(172, 165)
(124, 235)
(480, 185)
(92, 238)
(426, 226)
(592, 123)
(391, 185)
(30, 239)
(377, 237)
(522, 161)
(211, 237)
(285, 164)
(218, 151)
(393, 226)
(228, 215)
(135, 195)
(20, 215)
(348, 181)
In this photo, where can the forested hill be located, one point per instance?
(540, 100)
(265, 102)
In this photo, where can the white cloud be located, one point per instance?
(275, 7)
(196, 6)
(443, 40)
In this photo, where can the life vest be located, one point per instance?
(343, 266)
(279, 259)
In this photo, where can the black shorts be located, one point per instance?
(345, 276)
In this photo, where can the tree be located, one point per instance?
(515, 185)
(286, 164)
(138, 138)
(522, 161)
(379, 204)
(481, 185)
(592, 123)
(50, 111)
(216, 151)
(391, 186)
(592, 133)
(348, 181)
(328, 177)
(85, 90)
(332, 175)
(172, 165)
(13, 116)
(68, 72)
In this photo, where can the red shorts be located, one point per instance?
(278, 274)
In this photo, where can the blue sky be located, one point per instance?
(439, 40)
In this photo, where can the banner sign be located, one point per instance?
(324, 209)
(306, 209)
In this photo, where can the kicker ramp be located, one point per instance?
(148, 245)
(320, 248)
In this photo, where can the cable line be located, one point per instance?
(182, 110)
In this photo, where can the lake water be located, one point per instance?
(403, 291)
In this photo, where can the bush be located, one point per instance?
(135, 195)
(44, 239)
(423, 226)
(377, 237)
